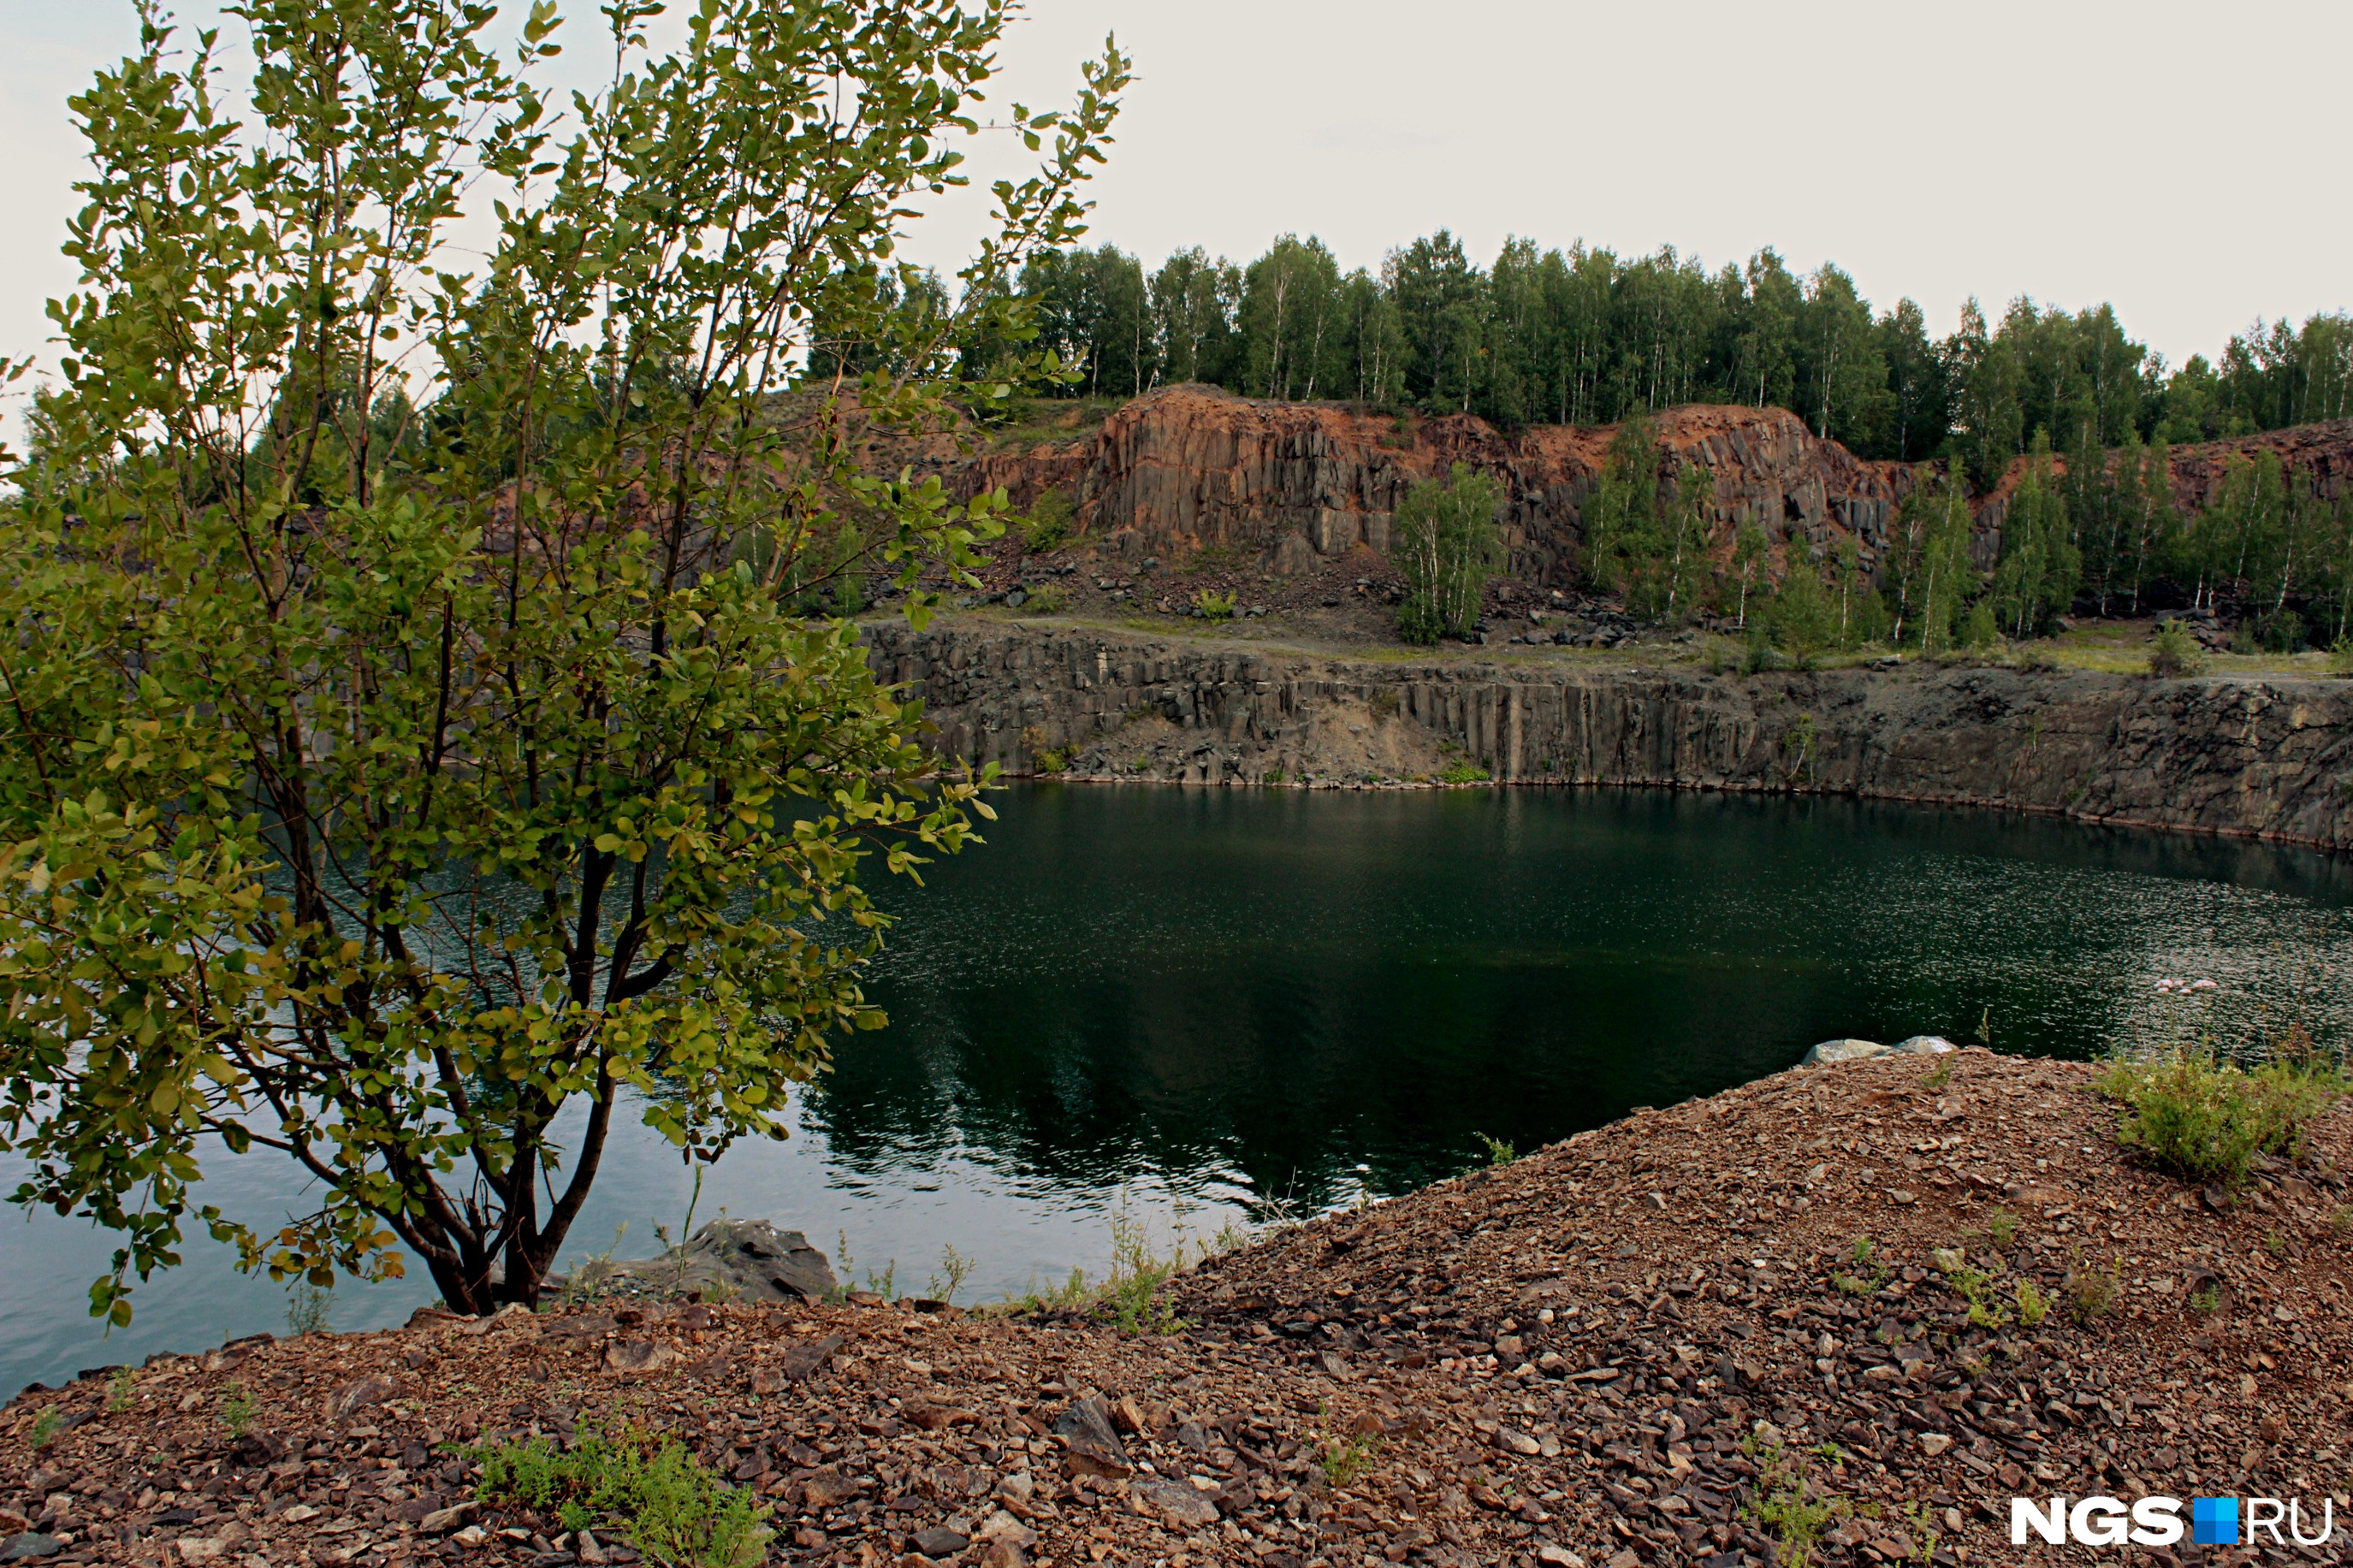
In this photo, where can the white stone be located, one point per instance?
(1922, 1045)
(1833, 1051)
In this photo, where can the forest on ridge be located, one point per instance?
(1586, 337)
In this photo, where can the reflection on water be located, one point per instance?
(1198, 1002)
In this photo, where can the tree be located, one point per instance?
(1805, 618)
(1290, 319)
(1917, 409)
(1440, 306)
(2039, 569)
(1749, 557)
(1192, 315)
(1928, 572)
(374, 798)
(1620, 519)
(1445, 543)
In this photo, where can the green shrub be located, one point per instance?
(2094, 1292)
(2340, 656)
(1980, 630)
(2196, 1115)
(2033, 1306)
(1044, 599)
(1344, 1460)
(1462, 772)
(2282, 631)
(1048, 523)
(1783, 1504)
(1213, 606)
(655, 1492)
(2173, 652)
(1803, 618)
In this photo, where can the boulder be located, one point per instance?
(746, 1259)
(1833, 1051)
(1922, 1045)
(1094, 1447)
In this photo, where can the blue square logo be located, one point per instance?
(2214, 1520)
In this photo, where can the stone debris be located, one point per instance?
(1533, 1365)
(746, 1259)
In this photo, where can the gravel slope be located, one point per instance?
(1585, 1357)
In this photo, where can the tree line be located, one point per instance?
(2094, 531)
(2097, 533)
(1584, 336)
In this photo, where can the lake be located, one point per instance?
(1204, 1006)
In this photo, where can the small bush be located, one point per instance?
(1499, 1152)
(955, 1269)
(1048, 523)
(2094, 1292)
(1979, 630)
(1344, 1461)
(2340, 656)
(661, 1499)
(1973, 1286)
(1213, 606)
(46, 1428)
(1870, 1273)
(1783, 1503)
(2193, 1114)
(309, 1306)
(2174, 653)
(2282, 631)
(2001, 1228)
(237, 1411)
(2033, 1306)
(1131, 1294)
(1463, 771)
(121, 1390)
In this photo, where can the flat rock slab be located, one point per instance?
(746, 1259)
(1831, 1051)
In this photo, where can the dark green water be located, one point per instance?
(1299, 984)
(1203, 1005)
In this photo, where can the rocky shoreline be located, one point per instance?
(2257, 758)
(1864, 1303)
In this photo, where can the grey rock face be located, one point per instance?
(2258, 757)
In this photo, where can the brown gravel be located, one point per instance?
(1579, 1358)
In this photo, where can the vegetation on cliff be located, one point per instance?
(300, 673)
(1587, 337)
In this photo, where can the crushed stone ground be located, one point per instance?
(1581, 1358)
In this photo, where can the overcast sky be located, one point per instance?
(2183, 162)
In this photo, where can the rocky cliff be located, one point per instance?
(1286, 484)
(2259, 758)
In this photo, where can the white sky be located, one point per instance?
(2177, 160)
